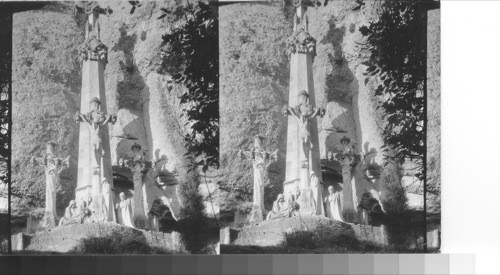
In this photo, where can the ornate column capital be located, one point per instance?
(93, 49)
(301, 42)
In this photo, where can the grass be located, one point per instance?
(120, 243)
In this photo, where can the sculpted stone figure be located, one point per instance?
(72, 215)
(304, 113)
(261, 160)
(93, 212)
(281, 208)
(96, 119)
(333, 205)
(106, 192)
(53, 166)
(124, 211)
(165, 185)
(317, 189)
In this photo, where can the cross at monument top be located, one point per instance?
(93, 10)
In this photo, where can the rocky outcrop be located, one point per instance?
(254, 76)
(68, 239)
(46, 82)
(271, 233)
(434, 110)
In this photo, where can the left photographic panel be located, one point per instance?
(115, 128)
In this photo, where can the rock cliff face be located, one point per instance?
(47, 83)
(254, 79)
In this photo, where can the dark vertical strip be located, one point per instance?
(6, 102)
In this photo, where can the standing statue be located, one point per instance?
(96, 119)
(165, 185)
(304, 113)
(261, 159)
(124, 211)
(53, 166)
(317, 189)
(106, 192)
(333, 205)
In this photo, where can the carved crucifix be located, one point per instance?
(53, 166)
(304, 112)
(96, 119)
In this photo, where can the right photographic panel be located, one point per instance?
(330, 127)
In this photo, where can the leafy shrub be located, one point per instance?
(299, 239)
(324, 236)
(395, 205)
(193, 223)
(119, 242)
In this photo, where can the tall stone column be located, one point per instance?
(140, 168)
(261, 159)
(302, 160)
(94, 157)
(53, 166)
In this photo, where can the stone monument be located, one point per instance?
(94, 158)
(302, 155)
(261, 159)
(53, 166)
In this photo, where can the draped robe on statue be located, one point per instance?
(72, 215)
(124, 213)
(281, 209)
(334, 207)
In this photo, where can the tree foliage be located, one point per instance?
(192, 57)
(193, 223)
(396, 43)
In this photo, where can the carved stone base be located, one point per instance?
(256, 215)
(48, 221)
